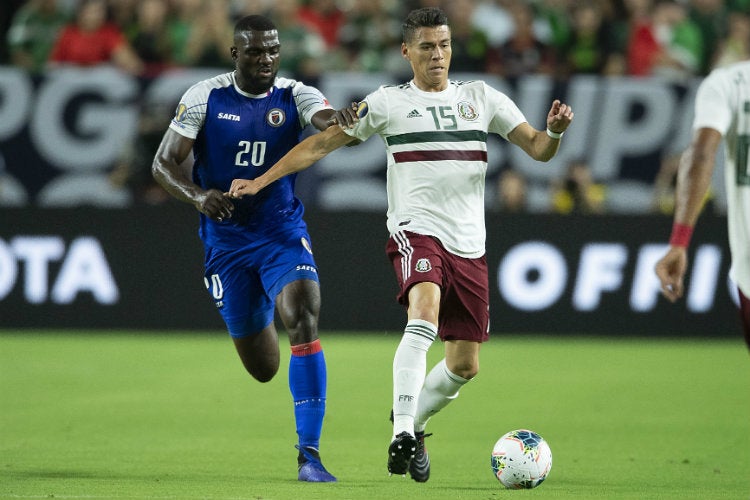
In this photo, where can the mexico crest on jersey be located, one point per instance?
(276, 117)
(423, 266)
(467, 111)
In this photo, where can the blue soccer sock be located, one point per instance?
(307, 382)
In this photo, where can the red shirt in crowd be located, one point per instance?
(642, 50)
(87, 48)
(327, 24)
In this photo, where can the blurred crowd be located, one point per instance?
(677, 39)
(508, 38)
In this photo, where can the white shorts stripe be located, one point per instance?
(406, 251)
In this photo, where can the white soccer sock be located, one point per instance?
(440, 388)
(409, 367)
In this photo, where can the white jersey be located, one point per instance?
(723, 104)
(436, 144)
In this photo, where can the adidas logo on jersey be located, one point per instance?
(414, 114)
(228, 116)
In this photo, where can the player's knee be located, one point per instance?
(425, 310)
(263, 374)
(263, 377)
(261, 368)
(303, 328)
(307, 319)
(464, 368)
(468, 372)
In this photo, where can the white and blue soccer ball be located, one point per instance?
(521, 459)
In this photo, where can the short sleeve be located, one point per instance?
(505, 114)
(712, 109)
(191, 112)
(373, 116)
(309, 101)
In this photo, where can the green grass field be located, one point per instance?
(128, 415)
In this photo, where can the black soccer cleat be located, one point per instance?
(400, 453)
(419, 467)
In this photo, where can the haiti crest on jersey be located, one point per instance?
(276, 117)
(467, 111)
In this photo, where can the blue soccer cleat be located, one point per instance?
(311, 468)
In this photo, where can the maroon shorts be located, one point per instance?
(745, 316)
(464, 299)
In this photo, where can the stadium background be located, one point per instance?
(100, 273)
(77, 250)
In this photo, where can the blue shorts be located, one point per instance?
(244, 283)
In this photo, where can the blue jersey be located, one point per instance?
(240, 135)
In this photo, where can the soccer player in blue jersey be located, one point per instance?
(258, 255)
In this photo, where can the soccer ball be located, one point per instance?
(521, 459)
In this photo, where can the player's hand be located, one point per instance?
(671, 272)
(214, 204)
(243, 187)
(559, 117)
(345, 117)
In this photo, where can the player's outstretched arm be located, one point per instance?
(297, 159)
(542, 145)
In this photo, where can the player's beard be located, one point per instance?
(266, 79)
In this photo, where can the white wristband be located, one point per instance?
(554, 135)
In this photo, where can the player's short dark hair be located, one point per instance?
(254, 23)
(426, 17)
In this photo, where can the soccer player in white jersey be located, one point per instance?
(258, 255)
(435, 132)
(722, 111)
